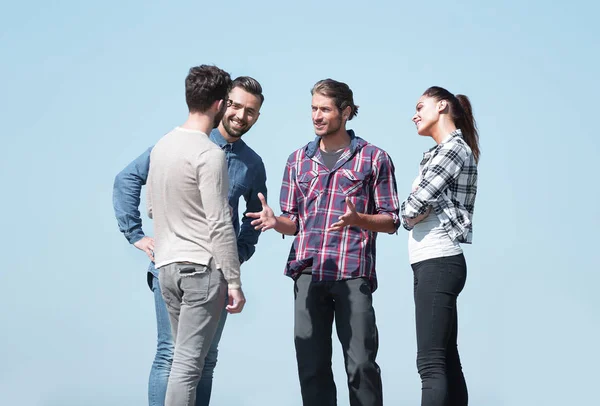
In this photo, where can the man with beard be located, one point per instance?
(247, 178)
(338, 192)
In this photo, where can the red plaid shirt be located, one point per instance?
(314, 197)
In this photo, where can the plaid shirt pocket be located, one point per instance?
(350, 182)
(307, 184)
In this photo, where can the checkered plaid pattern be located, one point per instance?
(314, 197)
(448, 184)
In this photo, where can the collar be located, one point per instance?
(355, 144)
(217, 138)
(451, 136)
(454, 134)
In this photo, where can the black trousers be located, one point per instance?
(349, 302)
(437, 283)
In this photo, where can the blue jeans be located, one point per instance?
(159, 374)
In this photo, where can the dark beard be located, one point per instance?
(234, 133)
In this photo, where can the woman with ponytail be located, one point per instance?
(439, 214)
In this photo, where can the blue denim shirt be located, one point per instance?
(247, 177)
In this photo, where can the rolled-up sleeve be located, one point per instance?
(443, 168)
(288, 198)
(385, 192)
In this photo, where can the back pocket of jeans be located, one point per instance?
(194, 283)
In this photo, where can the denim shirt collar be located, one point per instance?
(355, 143)
(217, 138)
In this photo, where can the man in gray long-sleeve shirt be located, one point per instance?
(196, 249)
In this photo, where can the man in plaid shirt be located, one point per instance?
(338, 192)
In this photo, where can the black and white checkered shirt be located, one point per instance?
(448, 184)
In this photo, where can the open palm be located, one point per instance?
(265, 219)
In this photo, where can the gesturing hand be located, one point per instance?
(265, 219)
(146, 244)
(349, 218)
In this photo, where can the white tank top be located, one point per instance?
(428, 239)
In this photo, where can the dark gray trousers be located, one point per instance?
(349, 302)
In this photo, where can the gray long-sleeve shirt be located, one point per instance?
(187, 198)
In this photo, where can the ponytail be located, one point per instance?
(468, 126)
(462, 115)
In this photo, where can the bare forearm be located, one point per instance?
(285, 226)
(379, 223)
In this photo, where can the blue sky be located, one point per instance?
(88, 86)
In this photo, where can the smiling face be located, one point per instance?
(327, 118)
(428, 114)
(243, 109)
